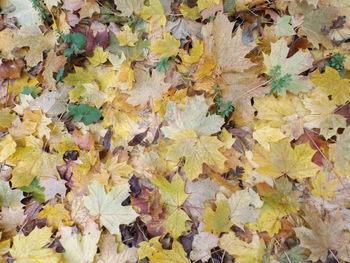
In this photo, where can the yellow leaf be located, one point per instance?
(282, 159)
(173, 195)
(108, 206)
(176, 254)
(33, 123)
(195, 52)
(30, 249)
(229, 52)
(269, 221)
(126, 75)
(323, 187)
(79, 248)
(322, 115)
(285, 113)
(332, 84)
(278, 202)
(245, 206)
(194, 117)
(298, 63)
(7, 147)
(217, 222)
(31, 161)
(37, 43)
(99, 56)
(243, 252)
(6, 118)
(340, 153)
(265, 134)
(55, 215)
(121, 116)
(129, 7)
(8, 197)
(188, 12)
(204, 4)
(166, 47)
(156, 254)
(142, 93)
(88, 93)
(127, 37)
(154, 14)
(196, 150)
(226, 138)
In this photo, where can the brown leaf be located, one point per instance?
(11, 69)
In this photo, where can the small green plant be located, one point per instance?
(77, 43)
(222, 108)
(279, 83)
(84, 113)
(337, 62)
(37, 5)
(163, 64)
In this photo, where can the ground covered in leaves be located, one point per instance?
(174, 131)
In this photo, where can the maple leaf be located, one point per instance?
(199, 192)
(129, 7)
(190, 12)
(37, 43)
(324, 235)
(31, 161)
(31, 248)
(25, 13)
(193, 117)
(7, 147)
(55, 215)
(127, 37)
(217, 222)
(108, 251)
(196, 150)
(10, 219)
(331, 83)
(108, 206)
(121, 116)
(244, 206)
(229, 52)
(80, 248)
(51, 65)
(298, 63)
(282, 159)
(204, 4)
(166, 47)
(8, 197)
(243, 252)
(278, 203)
(154, 14)
(202, 244)
(99, 56)
(173, 195)
(322, 115)
(339, 152)
(284, 113)
(323, 186)
(314, 21)
(283, 28)
(142, 92)
(155, 253)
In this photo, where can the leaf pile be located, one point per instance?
(174, 131)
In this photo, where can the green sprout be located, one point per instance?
(337, 62)
(222, 108)
(278, 82)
